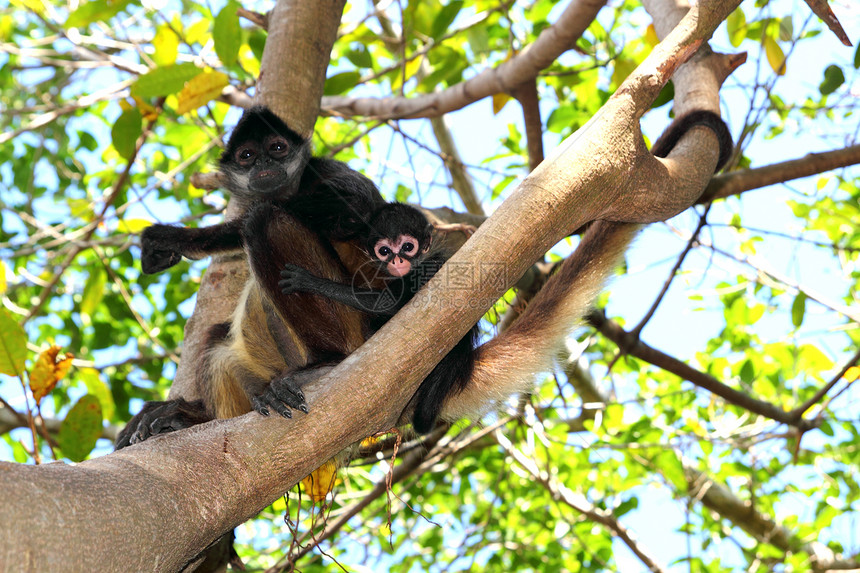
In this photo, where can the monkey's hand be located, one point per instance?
(297, 279)
(157, 250)
(160, 418)
(282, 394)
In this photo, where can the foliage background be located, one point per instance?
(95, 147)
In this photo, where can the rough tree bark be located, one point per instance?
(111, 513)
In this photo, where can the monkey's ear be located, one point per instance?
(427, 244)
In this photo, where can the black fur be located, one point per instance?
(390, 222)
(295, 206)
(670, 138)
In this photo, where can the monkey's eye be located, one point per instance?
(383, 252)
(245, 155)
(407, 247)
(278, 147)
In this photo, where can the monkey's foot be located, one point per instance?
(160, 418)
(282, 394)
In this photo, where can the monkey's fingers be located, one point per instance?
(288, 392)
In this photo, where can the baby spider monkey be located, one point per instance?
(398, 243)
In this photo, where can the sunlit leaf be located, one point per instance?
(125, 132)
(3, 280)
(47, 371)
(96, 387)
(132, 226)
(445, 18)
(93, 291)
(166, 44)
(227, 34)
(81, 429)
(200, 90)
(164, 80)
(321, 481)
(798, 309)
(852, 374)
(736, 25)
(651, 37)
(499, 102)
(13, 345)
(775, 56)
(339, 83)
(95, 11)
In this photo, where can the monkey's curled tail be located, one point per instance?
(507, 364)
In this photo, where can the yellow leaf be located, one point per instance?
(321, 481)
(200, 90)
(852, 374)
(651, 35)
(368, 442)
(499, 102)
(132, 226)
(3, 280)
(47, 371)
(166, 44)
(148, 111)
(775, 56)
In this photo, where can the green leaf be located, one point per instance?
(857, 57)
(227, 34)
(360, 56)
(833, 78)
(339, 83)
(13, 345)
(81, 428)
(736, 25)
(445, 18)
(164, 80)
(786, 29)
(93, 292)
(95, 11)
(798, 309)
(96, 387)
(747, 372)
(125, 132)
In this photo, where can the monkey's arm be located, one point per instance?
(377, 302)
(162, 246)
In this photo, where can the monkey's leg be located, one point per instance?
(160, 418)
(162, 246)
(273, 239)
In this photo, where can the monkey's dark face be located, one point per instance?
(264, 157)
(398, 254)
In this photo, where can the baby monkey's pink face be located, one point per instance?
(397, 254)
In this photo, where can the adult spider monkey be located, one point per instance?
(299, 210)
(275, 343)
(399, 244)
